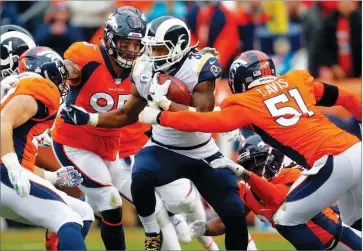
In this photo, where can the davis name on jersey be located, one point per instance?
(195, 68)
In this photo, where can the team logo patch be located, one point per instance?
(215, 70)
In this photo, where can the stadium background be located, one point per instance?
(323, 37)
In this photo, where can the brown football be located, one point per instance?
(178, 91)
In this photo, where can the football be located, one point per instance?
(178, 91)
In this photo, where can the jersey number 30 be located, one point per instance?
(287, 110)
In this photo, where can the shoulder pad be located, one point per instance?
(208, 67)
(42, 90)
(81, 53)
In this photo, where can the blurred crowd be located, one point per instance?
(321, 36)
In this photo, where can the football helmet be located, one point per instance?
(123, 25)
(254, 154)
(170, 32)
(47, 63)
(14, 41)
(250, 69)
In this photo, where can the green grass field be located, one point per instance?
(33, 240)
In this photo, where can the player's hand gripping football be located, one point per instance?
(150, 115)
(157, 93)
(197, 228)
(224, 162)
(67, 176)
(78, 116)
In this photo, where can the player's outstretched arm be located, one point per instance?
(74, 72)
(268, 192)
(331, 95)
(226, 120)
(126, 115)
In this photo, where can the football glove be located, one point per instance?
(78, 116)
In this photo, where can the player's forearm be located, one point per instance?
(224, 121)
(7, 143)
(268, 193)
(351, 103)
(115, 119)
(215, 227)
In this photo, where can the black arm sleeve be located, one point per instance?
(330, 95)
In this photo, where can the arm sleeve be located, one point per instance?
(267, 191)
(330, 95)
(223, 121)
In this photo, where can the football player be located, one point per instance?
(27, 111)
(171, 154)
(283, 111)
(263, 189)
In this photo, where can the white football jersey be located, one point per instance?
(192, 70)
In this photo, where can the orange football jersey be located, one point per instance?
(266, 206)
(26, 136)
(99, 90)
(283, 112)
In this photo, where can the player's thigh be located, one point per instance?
(121, 176)
(311, 194)
(93, 168)
(80, 207)
(161, 165)
(179, 196)
(350, 205)
(43, 207)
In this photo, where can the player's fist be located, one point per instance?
(197, 228)
(157, 93)
(78, 116)
(224, 162)
(68, 176)
(210, 50)
(150, 115)
(19, 178)
(7, 83)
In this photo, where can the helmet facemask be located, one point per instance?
(175, 52)
(119, 50)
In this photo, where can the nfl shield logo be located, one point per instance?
(118, 81)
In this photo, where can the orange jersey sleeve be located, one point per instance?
(81, 53)
(329, 95)
(42, 90)
(222, 121)
(268, 192)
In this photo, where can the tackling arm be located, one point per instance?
(331, 95)
(126, 115)
(265, 190)
(202, 99)
(74, 72)
(226, 120)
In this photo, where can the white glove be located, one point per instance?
(68, 176)
(44, 139)
(18, 176)
(232, 136)
(7, 83)
(224, 162)
(149, 115)
(197, 228)
(157, 93)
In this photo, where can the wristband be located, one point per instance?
(93, 119)
(10, 160)
(51, 176)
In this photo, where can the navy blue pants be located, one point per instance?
(155, 166)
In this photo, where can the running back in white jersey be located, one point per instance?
(195, 68)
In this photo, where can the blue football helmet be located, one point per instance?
(124, 24)
(47, 63)
(248, 69)
(254, 154)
